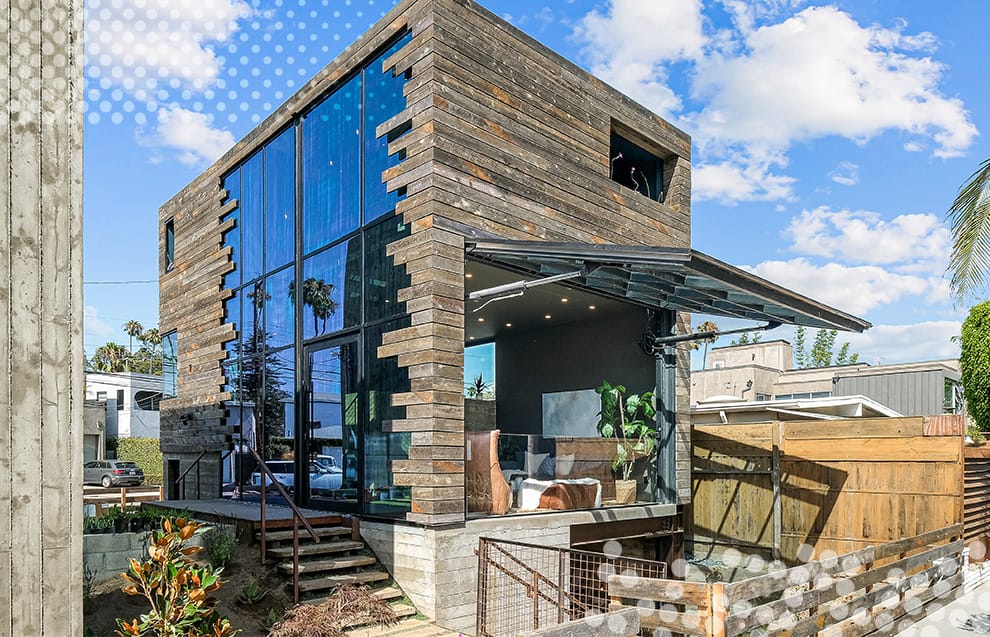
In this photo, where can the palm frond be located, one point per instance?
(969, 219)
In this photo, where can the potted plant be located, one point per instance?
(631, 421)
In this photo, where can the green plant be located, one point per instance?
(347, 606)
(146, 453)
(271, 619)
(220, 543)
(974, 362)
(253, 593)
(631, 421)
(975, 435)
(176, 587)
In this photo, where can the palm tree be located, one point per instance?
(316, 294)
(132, 328)
(969, 218)
(707, 326)
(110, 358)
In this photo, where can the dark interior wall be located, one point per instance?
(565, 358)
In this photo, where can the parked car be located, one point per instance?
(322, 476)
(112, 473)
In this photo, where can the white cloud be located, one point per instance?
(192, 135)
(853, 289)
(630, 43)
(730, 182)
(845, 174)
(916, 242)
(143, 44)
(820, 73)
(95, 328)
(930, 340)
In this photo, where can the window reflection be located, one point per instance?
(383, 98)
(280, 200)
(252, 217)
(280, 325)
(331, 167)
(330, 299)
(232, 310)
(383, 279)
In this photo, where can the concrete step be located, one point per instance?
(316, 520)
(321, 532)
(406, 628)
(333, 581)
(314, 550)
(321, 566)
(389, 592)
(403, 610)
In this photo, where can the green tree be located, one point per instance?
(707, 326)
(110, 358)
(969, 220)
(747, 339)
(823, 352)
(478, 388)
(132, 328)
(974, 359)
(317, 296)
(800, 347)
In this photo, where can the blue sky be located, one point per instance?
(829, 139)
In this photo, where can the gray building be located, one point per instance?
(764, 371)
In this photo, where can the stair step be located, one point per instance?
(286, 523)
(329, 565)
(389, 592)
(322, 532)
(403, 610)
(333, 581)
(324, 548)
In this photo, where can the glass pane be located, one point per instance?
(384, 279)
(331, 167)
(232, 310)
(333, 453)
(232, 238)
(280, 200)
(252, 217)
(252, 314)
(331, 293)
(170, 369)
(280, 322)
(383, 379)
(383, 99)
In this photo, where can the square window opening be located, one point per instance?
(636, 168)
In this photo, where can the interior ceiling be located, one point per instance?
(485, 319)
(665, 278)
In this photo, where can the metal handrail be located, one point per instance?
(297, 516)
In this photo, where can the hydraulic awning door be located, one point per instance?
(665, 278)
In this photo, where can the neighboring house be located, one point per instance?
(735, 410)
(758, 372)
(132, 402)
(94, 430)
(446, 182)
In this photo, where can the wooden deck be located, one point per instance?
(411, 627)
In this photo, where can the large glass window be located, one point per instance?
(170, 369)
(280, 322)
(332, 167)
(383, 98)
(280, 200)
(329, 302)
(252, 217)
(383, 279)
(232, 238)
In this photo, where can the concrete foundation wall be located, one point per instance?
(106, 555)
(437, 567)
(41, 400)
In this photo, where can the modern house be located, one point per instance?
(764, 373)
(132, 402)
(447, 181)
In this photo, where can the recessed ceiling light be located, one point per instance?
(468, 275)
(481, 320)
(564, 299)
(591, 307)
(470, 338)
(508, 324)
(547, 316)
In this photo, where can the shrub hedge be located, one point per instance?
(147, 453)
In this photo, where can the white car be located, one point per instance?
(321, 476)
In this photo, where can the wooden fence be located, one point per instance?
(884, 587)
(791, 490)
(976, 502)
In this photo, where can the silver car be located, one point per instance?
(322, 476)
(112, 473)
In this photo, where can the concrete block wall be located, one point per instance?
(106, 555)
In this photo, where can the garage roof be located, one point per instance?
(665, 278)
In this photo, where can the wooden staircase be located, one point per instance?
(340, 557)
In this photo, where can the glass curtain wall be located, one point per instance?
(308, 242)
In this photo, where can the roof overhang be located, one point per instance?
(678, 279)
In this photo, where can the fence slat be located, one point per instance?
(620, 623)
(687, 623)
(658, 590)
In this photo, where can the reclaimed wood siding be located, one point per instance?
(836, 485)
(507, 139)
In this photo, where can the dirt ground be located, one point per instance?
(106, 602)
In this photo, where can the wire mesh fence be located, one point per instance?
(525, 586)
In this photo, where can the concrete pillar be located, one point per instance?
(41, 354)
